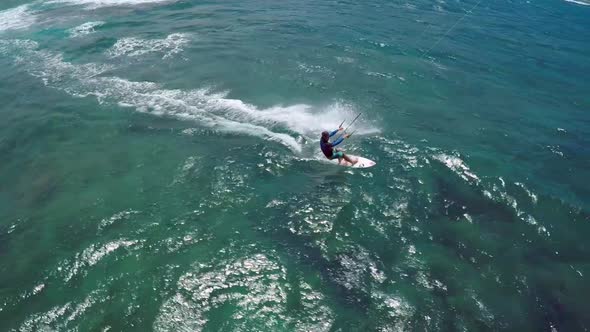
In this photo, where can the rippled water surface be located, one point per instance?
(160, 170)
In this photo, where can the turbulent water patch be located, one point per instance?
(64, 317)
(17, 18)
(457, 165)
(117, 217)
(134, 47)
(254, 290)
(85, 29)
(90, 257)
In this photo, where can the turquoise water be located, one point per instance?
(160, 167)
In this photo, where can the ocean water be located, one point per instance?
(160, 170)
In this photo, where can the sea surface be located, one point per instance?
(160, 167)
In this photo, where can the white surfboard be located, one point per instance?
(362, 162)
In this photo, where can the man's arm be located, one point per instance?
(334, 132)
(338, 141)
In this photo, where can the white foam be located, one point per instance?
(317, 317)
(485, 312)
(458, 166)
(187, 168)
(51, 69)
(229, 184)
(85, 29)
(173, 244)
(316, 214)
(354, 267)
(16, 18)
(408, 154)
(256, 286)
(38, 288)
(211, 110)
(579, 2)
(498, 193)
(555, 149)
(345, 59)
(133, 47)
(60, 318)
(274, 203)
(308, 120)
(93, 4)
(91, 256)
(317, 69)
(196, 105)
(116, 217)
(377, 74)
(468, 218)
(399, 311)
(532, 195)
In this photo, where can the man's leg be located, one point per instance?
(338, 154)
(350, 160)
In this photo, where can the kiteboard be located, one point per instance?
(361, 163)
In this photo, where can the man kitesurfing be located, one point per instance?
(328, 147)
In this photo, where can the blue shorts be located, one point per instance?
(337, 155)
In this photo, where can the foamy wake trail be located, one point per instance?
(16, 18)
(211, 110)
(302, 119)
(580, 2)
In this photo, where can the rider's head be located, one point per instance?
(325, 136)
